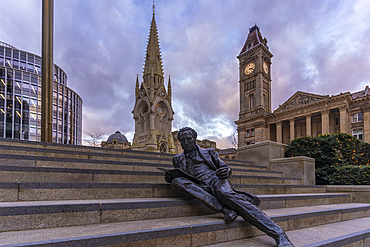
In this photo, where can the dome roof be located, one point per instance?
(118, 136)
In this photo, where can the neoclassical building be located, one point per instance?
(303, 114)
(153, 111)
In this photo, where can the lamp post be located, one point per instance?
(47, 71)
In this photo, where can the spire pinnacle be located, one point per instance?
(153, 58)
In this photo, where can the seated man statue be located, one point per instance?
(214, 189)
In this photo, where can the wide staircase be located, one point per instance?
(63, 195)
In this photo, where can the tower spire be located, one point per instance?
(153, 59)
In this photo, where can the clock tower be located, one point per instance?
(255, 89)
(153, 112)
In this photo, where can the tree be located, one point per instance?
(93, 138)
(234, 139)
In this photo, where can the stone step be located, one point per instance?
(345, 233)
(45, 161)
(6, 143)
(60, 153)
(46, 214)
(14, 191)
(52, 174)
(181, 231)
(255, 172)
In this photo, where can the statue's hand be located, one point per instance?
(223, 172)
(168, 178)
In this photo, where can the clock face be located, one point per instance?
(160, 109)
(249, 68)
(265, 67)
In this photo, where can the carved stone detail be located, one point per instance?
(300, 99)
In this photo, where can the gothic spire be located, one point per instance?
(153, 59)
(137, 87)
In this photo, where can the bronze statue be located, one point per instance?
(212, 187)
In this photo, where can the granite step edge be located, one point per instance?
(190, 227)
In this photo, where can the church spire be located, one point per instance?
(153, 59)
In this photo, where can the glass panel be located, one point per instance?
(2, 85)
(33, 105)
(15, 54)
(18, 87)
(32, 135)
(360, 117)
(26, 77)
(31, 58)
(8, 52)
(2, 100)
(34, 79)
(33, 91)
(9, 73)
(55, 110)
(9, 86)
(23, 66)
(8, 63)
(18, 75)
(17, 104)
(38, 60)
(26, 88)
(30, 67)
(16, 64)
(33, 119)
(23, 56)
(60, 113)
(38, 70)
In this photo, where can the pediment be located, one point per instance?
(300, 99)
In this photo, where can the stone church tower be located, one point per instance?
(255, 89)
(153, 112)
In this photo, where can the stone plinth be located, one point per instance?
(298, 167)
(261, 153)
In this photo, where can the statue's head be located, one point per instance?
(188, 139)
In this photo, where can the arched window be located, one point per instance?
(251, 101)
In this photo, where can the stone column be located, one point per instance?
(366, 134)
(279, 132)
(308, 125)
(268, 133)
(291, 121)
(343, 118)
(325, 122)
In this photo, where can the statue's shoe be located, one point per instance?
(283, 241)
(229, 215)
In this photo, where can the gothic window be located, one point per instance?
(251, 101)
(163, 148)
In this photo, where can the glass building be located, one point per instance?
(20, 99)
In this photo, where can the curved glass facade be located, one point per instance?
(20, 99)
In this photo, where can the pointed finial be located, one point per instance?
(153, 8)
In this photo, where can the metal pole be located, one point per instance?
(47, 72)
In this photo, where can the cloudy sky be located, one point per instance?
(320, 47)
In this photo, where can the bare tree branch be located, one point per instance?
(93, 138)
(234, 139)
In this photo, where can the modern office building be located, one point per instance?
(20, 99)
